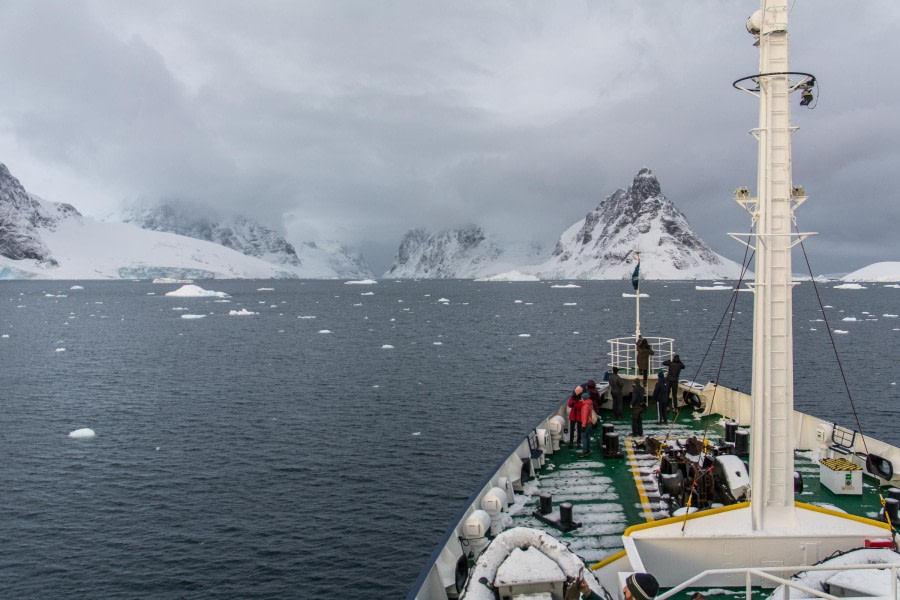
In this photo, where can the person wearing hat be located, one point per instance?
(587, 425)
(638, 586)
(660, 397)
(574, 404)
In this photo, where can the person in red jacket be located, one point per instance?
(574, 422)
(587, 426)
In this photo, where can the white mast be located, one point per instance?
(772, 461)
(637, 299)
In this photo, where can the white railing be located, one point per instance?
(766, 573)
(623, 353)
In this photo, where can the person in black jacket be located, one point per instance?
(638, 403)
(675, 366)
(660, 396)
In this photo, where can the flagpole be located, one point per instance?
(636, 282)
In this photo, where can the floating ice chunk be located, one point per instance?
(850, 286)
(82, 434)
(676, 299)
(517, 302)
(192, 316)
(565, 287)
(306, 317)
(367, 294)
(195, 291)
(848, 319)
(223, 301)
(387, 347)
(893, 285)
(524, 335)
(179, 308)
(5, 335)
(357, 304)
(840, 331)
(265, 289)
(76, 287)
(60, 349)
(361, 282)
(417, 433)
(709, 288)
(813, 329)
(241, 313)
(570, 304)
(324, 331)
(627, 295)
(889, 316)
(443, 300)
(438, 343)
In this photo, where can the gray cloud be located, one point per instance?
(359, 120)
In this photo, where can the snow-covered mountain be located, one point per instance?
(457, 253)
(880, 272)
(241, 233)
(604, 244)
(47, 240)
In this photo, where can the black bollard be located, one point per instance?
(565, 515)
(894, 493)
(546, 503)
(798, 482)
(742, 442)
(611, 445)
(730, 430)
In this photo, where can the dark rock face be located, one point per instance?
(22, 215)
(446, 254)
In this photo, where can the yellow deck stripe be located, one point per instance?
(638, 482)
(607, 560)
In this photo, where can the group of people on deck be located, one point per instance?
(584, 404)
(585, 400)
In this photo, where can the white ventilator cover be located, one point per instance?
(557, 425)
(494, 501)
(476, 525)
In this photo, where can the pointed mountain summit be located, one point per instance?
(604, 244)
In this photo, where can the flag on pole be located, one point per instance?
(636, 276)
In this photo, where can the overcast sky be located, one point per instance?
(357, 120)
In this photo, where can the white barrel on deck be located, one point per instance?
(493, 504)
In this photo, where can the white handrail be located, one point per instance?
(765, 573)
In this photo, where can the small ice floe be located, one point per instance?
(55, 296)
(813, 329)
(357, 304)
(517, 302)
(223, 301)
(360, 282)
(151, 293)
(437, 343)
(60, 349)
(893, 285)
(5, 335)
(76, 287)
(306, 317)
(850, 286)
(387, 347)
(889, 316)
(849, 319)
(195, 291)
(82, 434)
(179, 308)
(445, 300)
(415, 433)
(400, 301)
(675, 299)
(367, 294)
(627, 295)
(189, 316)
(840, 331)
(711, 288)
(265, 289)
(241, 313)
(524, 335)
(570, 304)
(566, 286)
(324, 331)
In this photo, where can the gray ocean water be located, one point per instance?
(255, 457)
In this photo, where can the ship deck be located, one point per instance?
(610, 495)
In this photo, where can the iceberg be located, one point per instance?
(82, 434)
(195, 291)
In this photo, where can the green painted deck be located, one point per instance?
(604, 492)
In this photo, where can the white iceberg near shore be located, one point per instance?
(195, 291)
